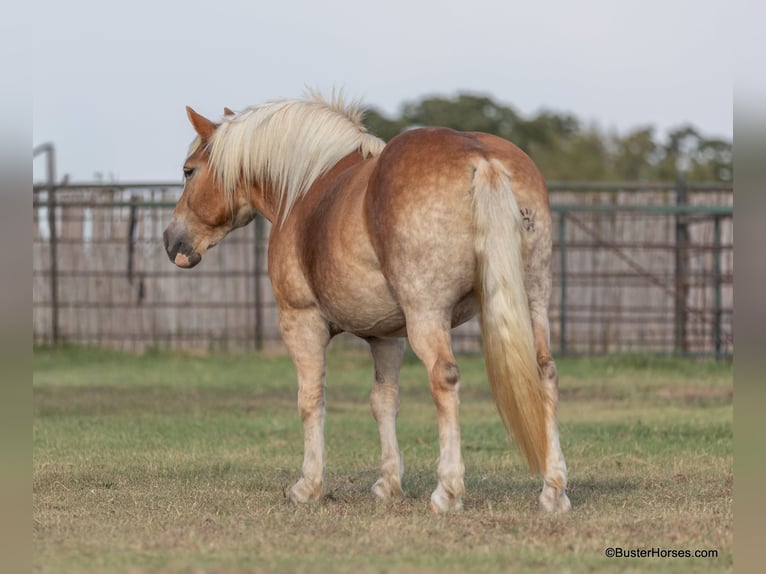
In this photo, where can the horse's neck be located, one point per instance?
(262, 199)
(309, 201)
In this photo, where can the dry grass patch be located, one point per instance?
(180, 464)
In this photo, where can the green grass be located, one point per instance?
(180, 463)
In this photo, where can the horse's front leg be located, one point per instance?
(387, 357)
(306, 335)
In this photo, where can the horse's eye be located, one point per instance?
(188, 171)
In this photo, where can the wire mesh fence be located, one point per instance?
(636, 267)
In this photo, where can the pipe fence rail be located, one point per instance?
(636, 267)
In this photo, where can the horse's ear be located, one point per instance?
(203, 126)
(228, 112)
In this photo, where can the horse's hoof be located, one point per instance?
(442, 503)
(302, 492)
(385, 490)
(554, 500)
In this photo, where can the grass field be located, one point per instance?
(179, 463)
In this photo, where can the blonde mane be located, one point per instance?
(288, 144)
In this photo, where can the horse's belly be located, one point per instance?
(364, 307)
(373, 312)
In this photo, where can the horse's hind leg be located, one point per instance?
(537, 282)
(553, 497)
(306, 336)
(384, 400)
(430, 339)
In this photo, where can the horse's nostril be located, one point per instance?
(171, 248)
(178, 247)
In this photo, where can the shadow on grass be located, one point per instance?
(480, 490)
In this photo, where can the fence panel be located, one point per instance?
(636, 267)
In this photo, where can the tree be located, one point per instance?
(564, 148)
(466, 112)
(635, 155)
(380, 125)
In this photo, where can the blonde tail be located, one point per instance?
(506, 327)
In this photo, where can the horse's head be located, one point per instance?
(204, 214)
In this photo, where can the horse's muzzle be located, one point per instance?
(179, 248)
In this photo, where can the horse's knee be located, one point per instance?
(548, 370)
(444, 378)
(550, 380)
(445, 374)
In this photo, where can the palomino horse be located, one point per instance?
(389, 241)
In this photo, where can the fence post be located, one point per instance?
(132, 224)
(717, 340)
(681, 267)
(563, 260)
(53, 246)
(50, 151)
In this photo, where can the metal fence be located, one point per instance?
(637, 267)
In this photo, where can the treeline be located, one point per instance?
(565, 148)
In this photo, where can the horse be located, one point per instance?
(395, 241)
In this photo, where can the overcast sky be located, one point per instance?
(110, 80)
